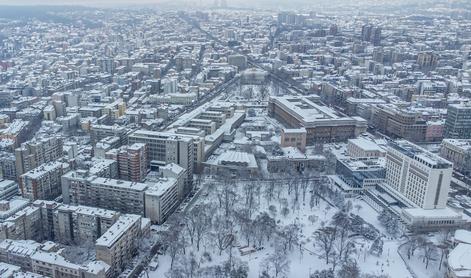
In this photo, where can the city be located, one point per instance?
(201, 139)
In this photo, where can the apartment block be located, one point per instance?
(165, 148)
(78, 188)
(118, 245)
(43, 182)
(132, 161)
(32, 154)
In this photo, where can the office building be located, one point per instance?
(420, 178)
(294, 137)
(458, 121)
(457, 151)
(322, 124)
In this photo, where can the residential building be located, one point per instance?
(118, 245)
(132, 161)
(43, 182)
(32, 154)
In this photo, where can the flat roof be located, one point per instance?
(117, 230)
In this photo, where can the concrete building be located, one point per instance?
(163, 195)
(362, 148)
(240, 61)
(98, 132)
(8, 166)
(165, 148)
(292, 160)
(457, 151)
(118, 245)
(43, 182)
(399, 123)
(458, 121)
(132, 161)
(322, 124)
(81, 224)
(420, 177)
(32, 154)
(427, 60)
(8, 189)
(293, 137)
(154, 199)
(78, 188)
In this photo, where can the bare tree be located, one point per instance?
(222, 234)
(349, 269)
(279, 261)
(443, 238)
(325, 238)
(414, 242)
(430, 252)
(174, 239)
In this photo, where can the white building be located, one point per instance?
(418, 177)
(364, 149)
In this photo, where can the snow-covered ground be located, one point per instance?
(304, 256)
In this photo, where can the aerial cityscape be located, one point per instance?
(235, 139)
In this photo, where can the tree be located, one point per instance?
(325, 238)
(377, 247)
(375, 276)
(358, 207)
(430, 252)
(285, 211)
(390, 222)
(414, 242)
(222, 234)
(291, 234)
(443, 238)
(278, 261)
(312, 218)
(174, 239)
(349, 269)
(326, 273)
(201, 220)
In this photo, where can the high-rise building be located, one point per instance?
(132, 161)
(427, 60)
(371, 34)
(118, 245)
(8, 166)
(98, 132)
(416, 176)
(165, 148)
(32, 154)
(458, 121)
(155, 199)
(43, 182)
